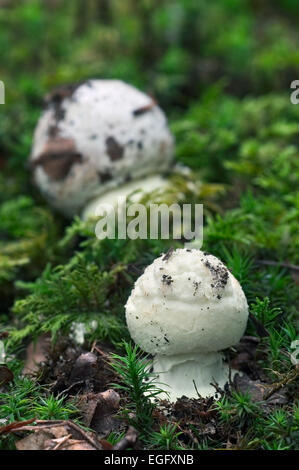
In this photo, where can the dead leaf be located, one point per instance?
(106, 445)
(57, 435)
(99, 409)
(6, 375)
(257, 389)
(129, 440)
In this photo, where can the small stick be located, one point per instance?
(199, 396)
(45, 424)
(288, 378)
(168, 254)
(15, 426)
(62, 441)
(290, 266)
(79, 382)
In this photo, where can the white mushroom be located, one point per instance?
(184, 309)
(95, 137)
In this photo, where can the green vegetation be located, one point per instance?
(25, 399)
(226, 91)
(140, 385)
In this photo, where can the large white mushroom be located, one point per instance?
(184, 309)
(98, 137)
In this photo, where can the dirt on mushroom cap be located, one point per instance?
(108, 142)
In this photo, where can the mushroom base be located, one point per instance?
(139, 188)
(181, 373)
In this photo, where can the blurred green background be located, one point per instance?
(179, 50)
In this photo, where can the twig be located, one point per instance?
(168, 254)
(46, 424)
(15, 426)
(188, 433)
(288, 378)
(79, 382)
(199, 396)
(217, 388)
(62, 441)
(98, 350)
(293, 267)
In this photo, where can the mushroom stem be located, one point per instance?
(182, 371)
(141, 187)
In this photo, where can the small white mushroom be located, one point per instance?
(96, 137)
(184, 309)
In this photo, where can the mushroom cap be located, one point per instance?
(188, 302)
(94, 137)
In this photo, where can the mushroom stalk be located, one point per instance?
(187, 374)
(134, 190)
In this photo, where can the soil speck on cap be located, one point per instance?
(114, 149)
(196, 285)
(55, 100)
(60, 93)
(166, 279)
(58, 157)
(219, 274)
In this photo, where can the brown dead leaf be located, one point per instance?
(129, 440)
(257, 389)
(99, 409)
(6, 375)
(106, 445)
(57, 435)
(45, 440)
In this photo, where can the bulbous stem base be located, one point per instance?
(185, 374)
